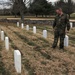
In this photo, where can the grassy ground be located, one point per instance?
(38, 58)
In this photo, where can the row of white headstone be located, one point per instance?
(34, 29)
(17, 54)
(66, 39)
(22, 25)
(6, 40)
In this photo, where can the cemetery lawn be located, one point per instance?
(38, 58)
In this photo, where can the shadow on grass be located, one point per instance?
(27, 65)
(36, 47)
(3, 70)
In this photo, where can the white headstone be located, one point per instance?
(71, 25)
(27, 27)
(66, 41)
(45, 33)
(17, 24)
(34, 29)
(22, 25)
(7, 43)
(17, 60)
(2, 35)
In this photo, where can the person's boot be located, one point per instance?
(61, 47)
(53, 47)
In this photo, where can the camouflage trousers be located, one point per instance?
(59, 35)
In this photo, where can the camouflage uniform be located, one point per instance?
(60, 24)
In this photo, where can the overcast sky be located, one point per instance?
(3, 1)
(48, 0)
(56, 0)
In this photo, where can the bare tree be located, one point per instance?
(19, 6)
(68, 7)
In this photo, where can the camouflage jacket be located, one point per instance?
(61, 22)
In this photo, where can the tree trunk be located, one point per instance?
(42, 15)
(69, 16)
(22, 16)
(15, 15)
(36, 15)
(45, 15)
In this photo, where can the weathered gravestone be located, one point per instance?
(17, 24)
(66, 41)
(2, 35)
(17, 60)
(22, 25)
(45, 33)
(7, 43)
(27, 27)
(34, 29)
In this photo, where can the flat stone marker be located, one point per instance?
(34, 29)
(17, 24)
(27, 27)
(7, 43)
(2, 35)
(66, 41)
(71, 25)
(45, 33)
(17, 60)
(22, 25)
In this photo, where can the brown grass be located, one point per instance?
(38, 58)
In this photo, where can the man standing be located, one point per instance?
(61, 24)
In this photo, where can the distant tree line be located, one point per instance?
(40, 7)
(37, 7)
